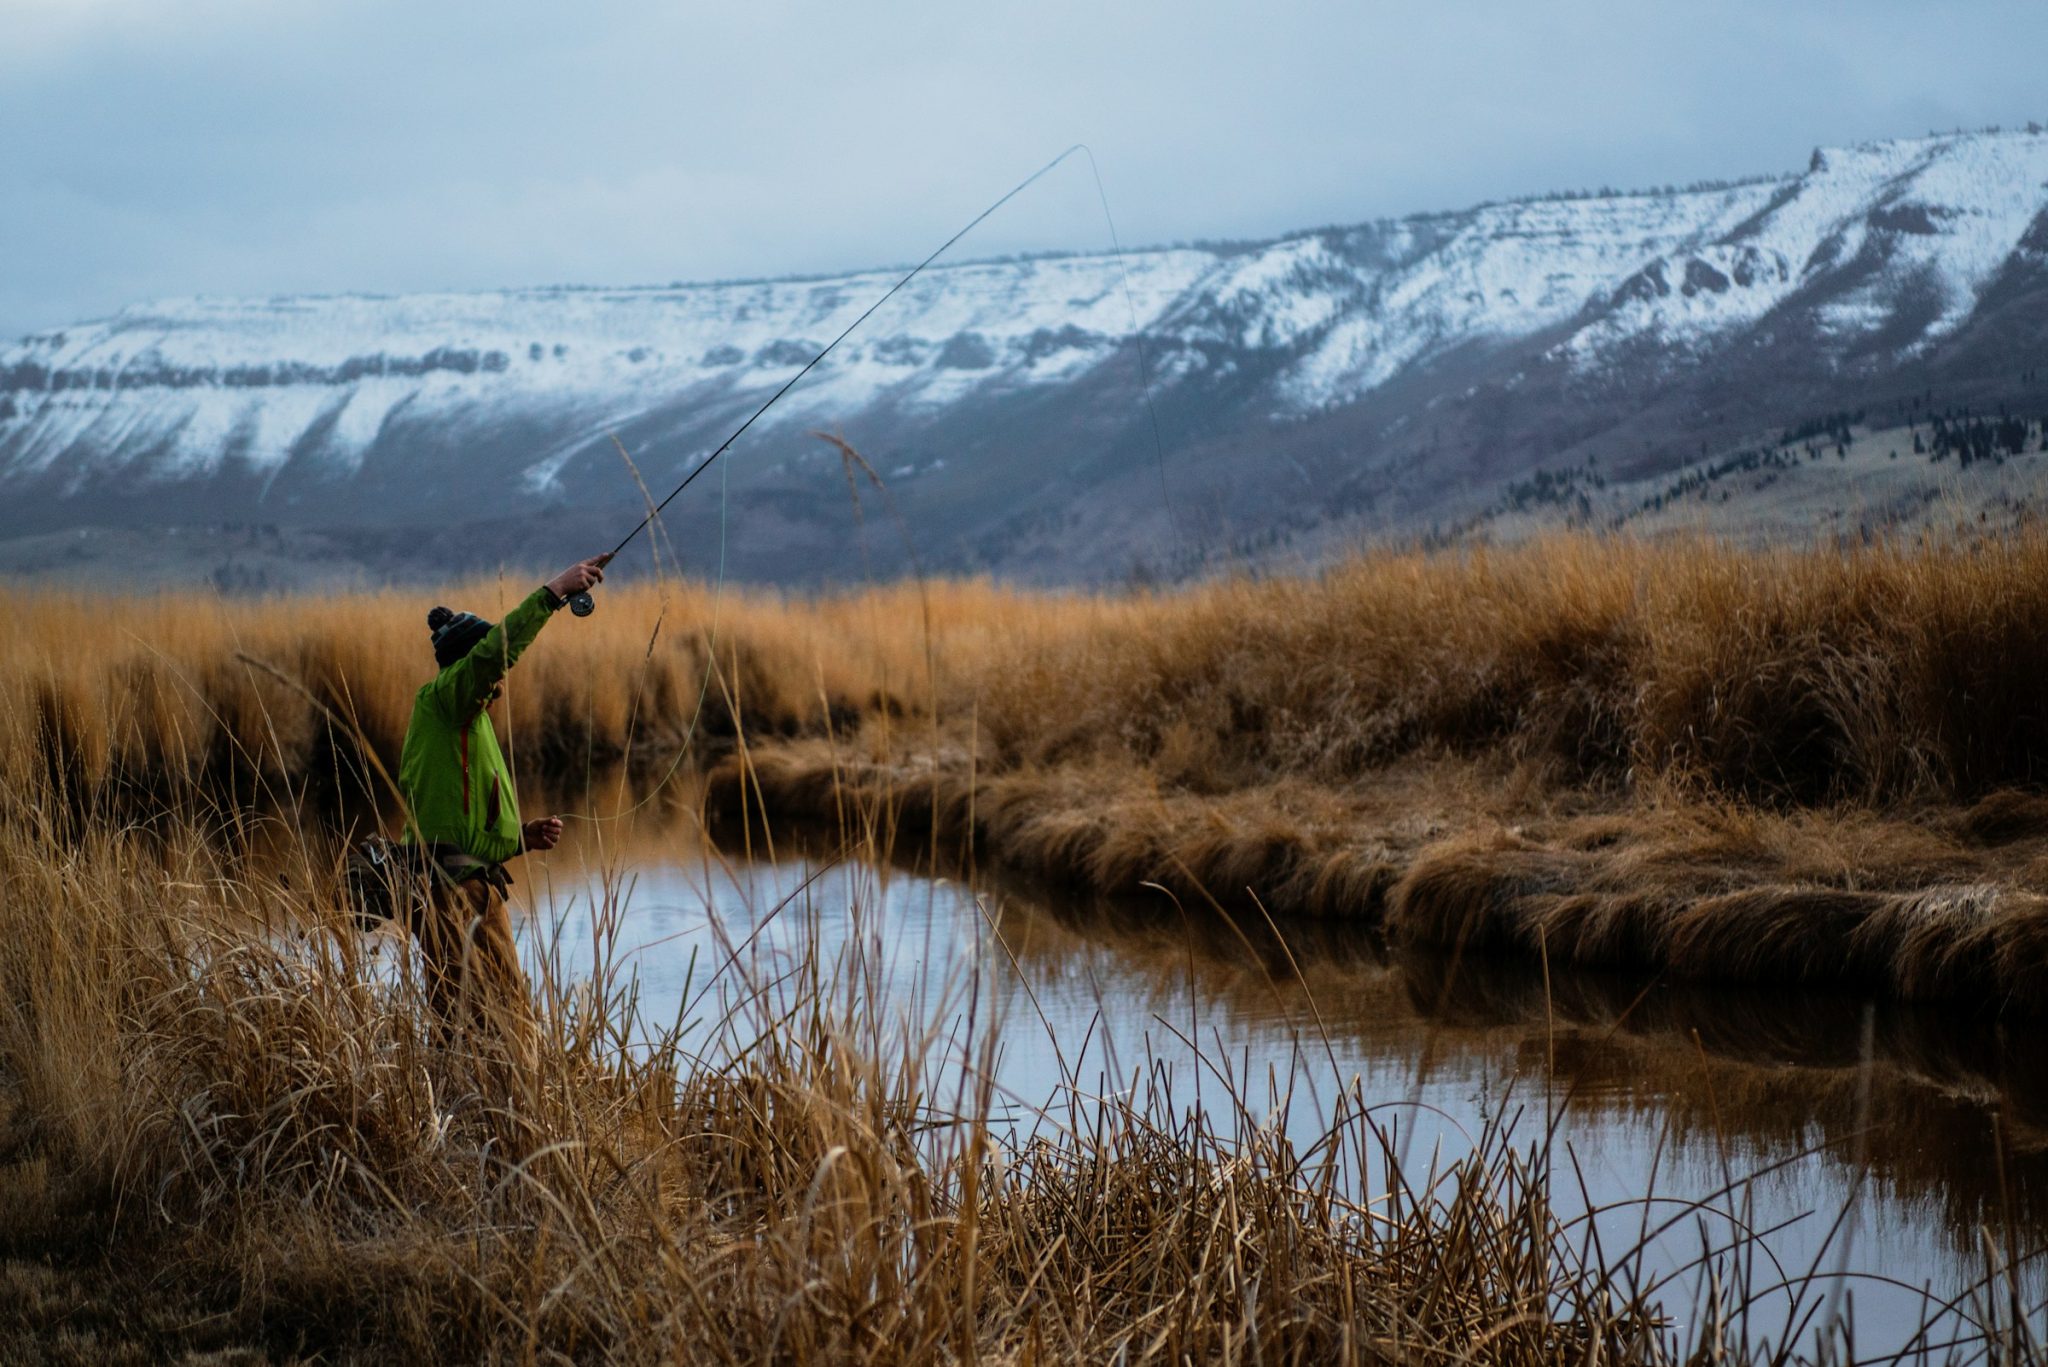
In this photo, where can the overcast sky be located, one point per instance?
(244, 147)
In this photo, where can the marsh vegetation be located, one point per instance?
(1680, 761)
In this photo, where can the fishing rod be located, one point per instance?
(582, 604)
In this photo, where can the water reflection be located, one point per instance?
(1930, 1132)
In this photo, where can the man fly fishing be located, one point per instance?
(463, 816)
(464, 820)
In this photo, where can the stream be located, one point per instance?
(1906, 1148)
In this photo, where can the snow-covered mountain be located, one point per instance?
(1382, 371)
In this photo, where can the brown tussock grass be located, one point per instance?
(173, 688)
(1881, 675)
(1896, 907)
(1603, 750)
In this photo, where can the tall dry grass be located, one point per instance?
(156, 691)
(234, 1127)
(230, 1123)
(1406, 739)
(1786, 676)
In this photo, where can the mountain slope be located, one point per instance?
(1386, 376)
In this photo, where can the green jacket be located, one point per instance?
(451, 771)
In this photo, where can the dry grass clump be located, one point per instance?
(1880, 674)
(1901, 908)
(238, 695)
(1096, 827)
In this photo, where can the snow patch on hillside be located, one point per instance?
(1898, 235)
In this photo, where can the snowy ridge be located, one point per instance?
(1896, 219)
(192, 380)
(1887, 245)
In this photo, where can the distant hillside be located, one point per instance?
(1392, 378)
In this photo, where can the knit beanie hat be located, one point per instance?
(455, 634)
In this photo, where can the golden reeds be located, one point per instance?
(205, 1072)
(1518, 748)
(1878, 674)
(209, 1077)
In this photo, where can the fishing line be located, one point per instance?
(1138, 340)
(811, 364)
(582, 604)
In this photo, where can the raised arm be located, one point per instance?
(467, 684)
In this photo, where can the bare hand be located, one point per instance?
(580, 576)
(542, 833)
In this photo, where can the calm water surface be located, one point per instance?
(1903, 1146)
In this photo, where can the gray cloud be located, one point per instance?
(238, 147)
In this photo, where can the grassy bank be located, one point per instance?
(1782, 766)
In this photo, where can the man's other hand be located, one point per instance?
(542, 833)
(580, 576)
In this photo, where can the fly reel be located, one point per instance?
(582, 604)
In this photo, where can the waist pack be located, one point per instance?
(391, 880)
